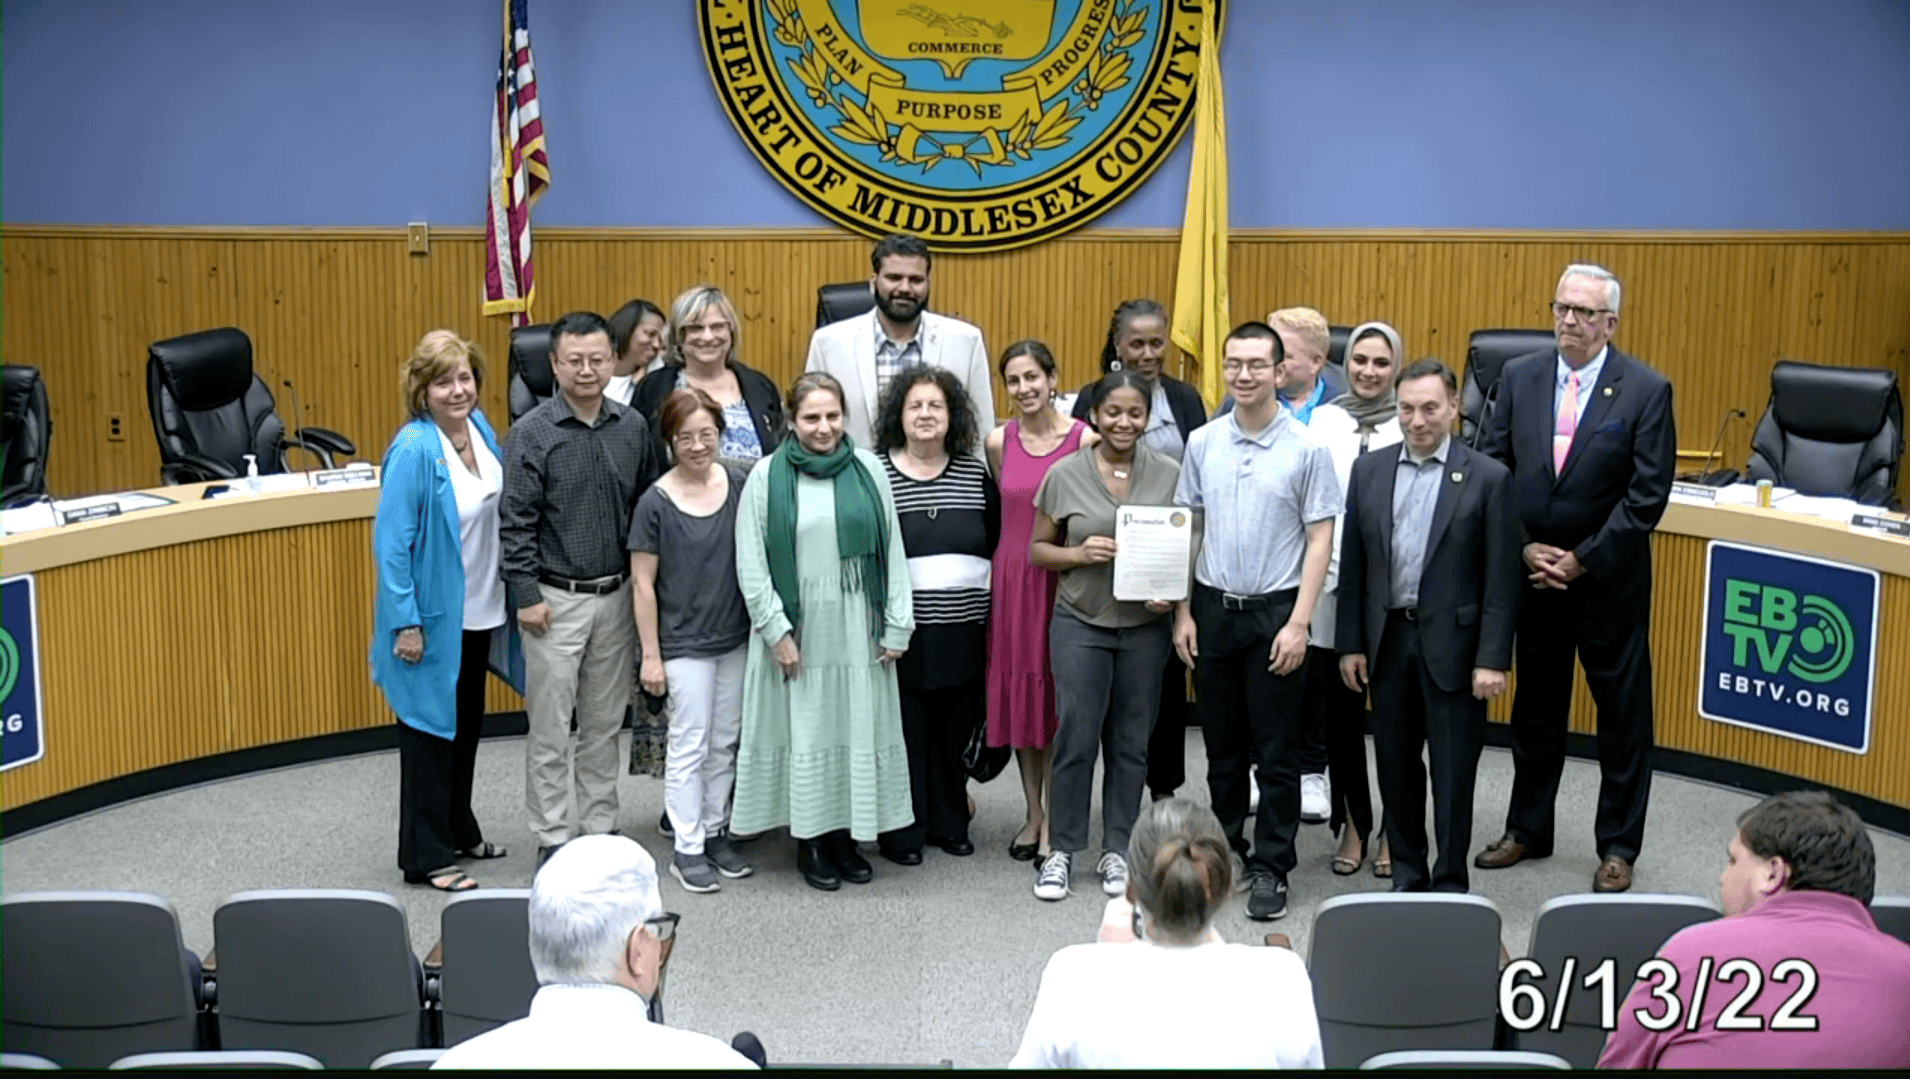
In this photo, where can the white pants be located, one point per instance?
(582, 662)
(706, 720)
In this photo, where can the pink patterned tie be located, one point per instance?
(1567, 425)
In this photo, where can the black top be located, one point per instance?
(765, 402)
(1183, 401)
(700, 612)
(957, 513)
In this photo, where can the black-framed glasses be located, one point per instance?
(663, 926)
(1585, 314)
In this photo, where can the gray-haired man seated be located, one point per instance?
(597, 933)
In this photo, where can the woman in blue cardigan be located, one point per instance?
(441, 617)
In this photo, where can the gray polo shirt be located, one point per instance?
(1258, 493)
(1074, 496)
(1415, 495)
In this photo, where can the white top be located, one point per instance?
(1335, 427)
(477, 530)
(589, 1026)
(621, 388)
(1146, 1005)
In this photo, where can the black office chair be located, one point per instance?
(1831, 431)
(846, 300)
(532, 382)
(1487, 353)
(1337, 342)
(26, 431)
(209, 410)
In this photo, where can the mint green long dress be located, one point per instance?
(824, 752)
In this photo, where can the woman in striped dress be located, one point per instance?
(951, 518)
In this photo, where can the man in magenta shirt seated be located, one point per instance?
(1796, 975)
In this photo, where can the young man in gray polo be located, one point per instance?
(1269, 495)
(573, 469)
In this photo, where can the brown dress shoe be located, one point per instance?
(1504, 853)
(1614, 875)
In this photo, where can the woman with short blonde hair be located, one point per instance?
(701, 354)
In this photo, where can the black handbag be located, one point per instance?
(983, 761)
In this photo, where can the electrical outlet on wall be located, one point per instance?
(115, 427)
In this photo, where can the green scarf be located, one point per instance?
(862, 537)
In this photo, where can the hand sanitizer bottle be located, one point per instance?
(252, 482)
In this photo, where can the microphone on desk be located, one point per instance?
(1723, 477)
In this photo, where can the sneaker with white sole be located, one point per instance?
(1113, 870)
(695, 873)
(1269, 898)
(1316, 798)
(1051, 880)
(726, 858)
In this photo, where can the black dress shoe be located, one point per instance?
(1024, 852)
(960, 848)
(818, 869)
(902, 857)
(849, 862)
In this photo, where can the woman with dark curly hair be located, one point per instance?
(951, 518)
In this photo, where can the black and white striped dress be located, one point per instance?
(950, 525)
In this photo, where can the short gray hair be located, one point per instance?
(1586, 269)
(593, 893)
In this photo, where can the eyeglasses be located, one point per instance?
(1585, 314)
(663, 926)
(1259, 367)
(572, 363)
(698, 438)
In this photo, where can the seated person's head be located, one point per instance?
(592, 910)
(1180, 870)
(1794, 842)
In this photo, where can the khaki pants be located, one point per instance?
(583, 662)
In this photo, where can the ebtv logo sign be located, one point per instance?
(1790, 645)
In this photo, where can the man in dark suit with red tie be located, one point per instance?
(1429, 593)
(1588, 434)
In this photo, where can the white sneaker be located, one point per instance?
(1051, 881)
(1253, 791)
(1113, 870)
(1316, 798)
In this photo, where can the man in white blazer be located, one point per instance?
(865, 352)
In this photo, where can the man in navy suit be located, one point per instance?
(1588, 434)
(1429, 592)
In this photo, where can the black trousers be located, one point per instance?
(1244, 706)
(936, 724)
(1316, 723)
(1167, 746)
(1341, 713)
(1410, 711)
(435, 821)
(1613, 641)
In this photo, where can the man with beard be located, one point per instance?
(866, 351)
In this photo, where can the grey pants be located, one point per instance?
(1107, 693)
(583, 662)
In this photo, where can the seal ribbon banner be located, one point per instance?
(981, 125)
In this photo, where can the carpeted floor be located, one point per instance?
(934, 962)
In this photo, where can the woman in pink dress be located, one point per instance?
(1021, 710)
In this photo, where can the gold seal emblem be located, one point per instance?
(980, 125)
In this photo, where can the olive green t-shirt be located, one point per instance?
(1074, 496)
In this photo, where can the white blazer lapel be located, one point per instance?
(862, 349)
(931, 341)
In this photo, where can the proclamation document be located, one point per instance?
(1154, 547)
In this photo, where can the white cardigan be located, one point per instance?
(1336, 430)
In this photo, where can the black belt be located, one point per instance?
(1232, 601)
(596, 586)
(1410, 614)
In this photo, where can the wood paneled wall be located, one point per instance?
(337, 310)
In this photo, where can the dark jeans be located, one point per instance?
(1107, 691)
(936, 724)
(1341, 713)
(1244, 706)
(1167, 748)
(1316, 722)
(434, 775)
(1411, 712)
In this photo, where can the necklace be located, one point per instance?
(1119, 474)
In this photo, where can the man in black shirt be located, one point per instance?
(573, 469)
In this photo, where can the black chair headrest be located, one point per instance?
(1831, 404)
(1336, 342)
(16, 397)
(1488, 351)
(846, 300)
(204, 370)
(530, 358)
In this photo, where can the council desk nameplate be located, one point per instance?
(980, 125)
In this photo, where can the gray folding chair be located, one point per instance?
(1589, 929)
(1464, 1060)
(26, 1062)
(407, 1060)
(1404, 971)
(90, 977)
(487, 979)
(208, 1059)
(1892, 915)
(322, 971)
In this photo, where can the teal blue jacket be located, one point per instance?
(421, 582)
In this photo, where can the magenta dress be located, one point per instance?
(1020, 687)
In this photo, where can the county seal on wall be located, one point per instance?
(979, 125)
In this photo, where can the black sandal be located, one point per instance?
(451, 879)
(483, 851)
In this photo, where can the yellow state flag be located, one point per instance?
(1200, 291)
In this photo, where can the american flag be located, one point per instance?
(520, 172)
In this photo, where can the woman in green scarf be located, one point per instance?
(819, 556)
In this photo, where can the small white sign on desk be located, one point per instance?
(360, 475)
(1694, 494)
(1154, 548)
